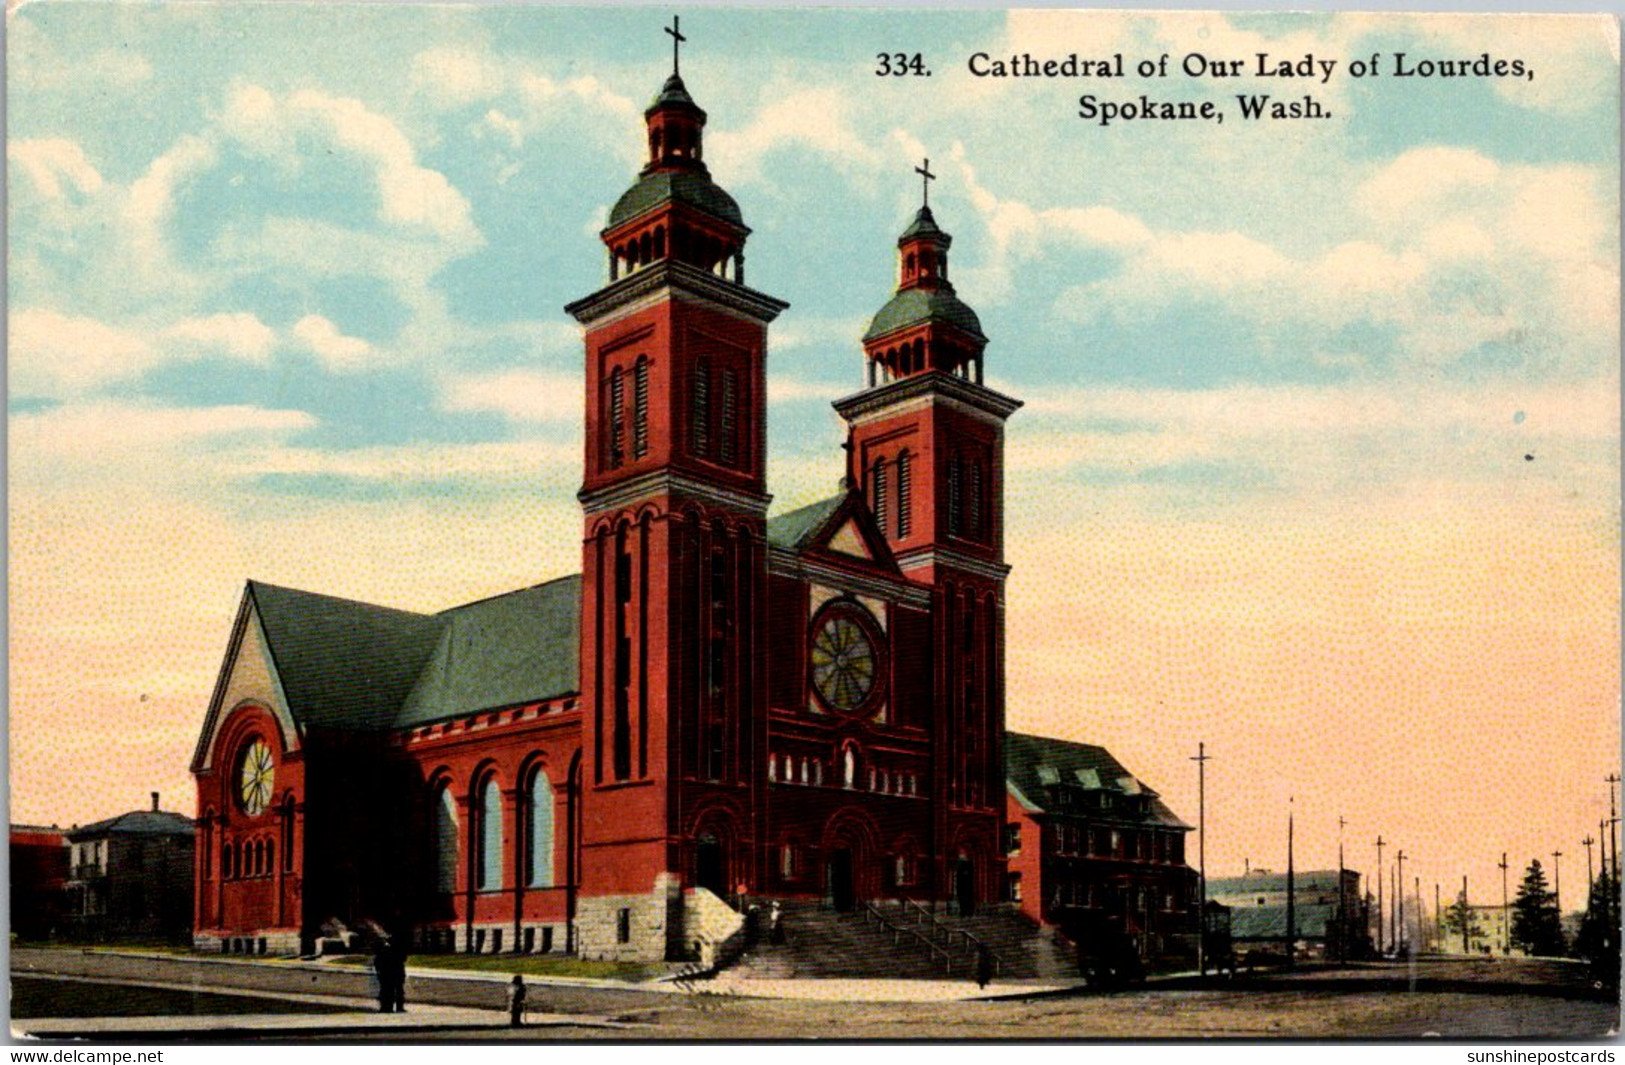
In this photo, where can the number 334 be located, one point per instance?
(900, 65)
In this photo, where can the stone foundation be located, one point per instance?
(633, 927)
(280, 943)
(493, 938)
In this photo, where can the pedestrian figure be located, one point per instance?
(753, 925)
(397, 974)
(381, 963)
(984, 966)
(775, 923)
(516, 1002)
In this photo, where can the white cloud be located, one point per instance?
(518, 395)
(151, 198)
(509, 129)
(818, 119)
(51, 162)
(240, 335)
(336, 351)
(415, 198)
(453, 77)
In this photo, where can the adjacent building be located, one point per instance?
(1094, 851)
(131, 877)
(39, 872)
(1328, 914)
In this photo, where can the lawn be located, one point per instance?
(539, 965)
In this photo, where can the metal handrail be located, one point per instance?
(872, 913)
(973, 943)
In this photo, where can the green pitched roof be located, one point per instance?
(343, 664)
(135, 823)
(515, 648)
(674, 94)
(916, 305)
(682, 186)
(793, 528)
(925, 225)
(1035, 764)
(356, 666)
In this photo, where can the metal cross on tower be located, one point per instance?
(677, 39)
(926, 177)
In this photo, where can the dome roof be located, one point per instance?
(674, 94)
(916, 305)
(683, 186)
(924, 225)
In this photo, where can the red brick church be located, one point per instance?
(803, 706)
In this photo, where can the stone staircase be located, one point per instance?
(822, 944)
(904, 943)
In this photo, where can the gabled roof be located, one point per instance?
(1259, 882)
(136, 823)
(514, 648)
(356, 666)
(796, 527)
(343, 664)
(1269, 922)
(1034, 765)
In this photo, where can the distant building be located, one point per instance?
(39, 869)
(1324, 920)
(130, 877)
(1486, 931)
(1093, 851)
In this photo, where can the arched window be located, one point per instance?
(640, 408)
(849, 764)
(287, 835)
(729, 443)
(877, 494)
(270, 856)
(700, 418)
(617, 418)
(489, 876)
(225, 861)
(445, 839)
(904, 524)
(540, 870)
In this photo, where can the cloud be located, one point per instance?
(51, 162)
(151, 200)
(241, 336)
(58, 355)
(517, 395)
(819, 119)
(452, 77)
(335, 350)
(412, 197)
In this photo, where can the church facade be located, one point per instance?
(723, 701)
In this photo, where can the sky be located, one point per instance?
(1319, 460)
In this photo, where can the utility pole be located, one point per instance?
(1438, 918)
(1588, 843)
(1506, 912)
(1399, 897)
(1342, 899)
(1380, 845)
(1466, 918)
(1557, 884)
(1613, 820)
(1201, 759)
(1420, 945)
(1291, 893)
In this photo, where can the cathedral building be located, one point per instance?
(806, 705)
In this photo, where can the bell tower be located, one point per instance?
(925, 442)
(673, 556)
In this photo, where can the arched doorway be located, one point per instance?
(965, 885)
(838, 889)
(710, 866)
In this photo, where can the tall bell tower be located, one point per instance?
(926, 444)
(673, 496)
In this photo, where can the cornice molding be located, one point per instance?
(677, 279)
(921, 389)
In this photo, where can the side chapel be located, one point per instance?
(808, 705)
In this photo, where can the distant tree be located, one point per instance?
(1459, 918)
(1536, 925)
(1598, 939)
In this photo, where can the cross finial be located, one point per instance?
(926, 177)
(677, 39)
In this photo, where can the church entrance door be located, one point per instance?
(709, 871)
(838, 870)
(965, 886)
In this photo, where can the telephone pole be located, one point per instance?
(1438, 918)
(1201, 759)
(1399, 897)
(1380, 845)
(1588, 843)
(1420, 945)
(1506, 912)
(1557, 884)
(1342, 899)
(1291, 894)
(1466, 918)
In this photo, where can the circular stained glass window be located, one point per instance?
(255, 776)
(845, 663)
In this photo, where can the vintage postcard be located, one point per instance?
(554, 523)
